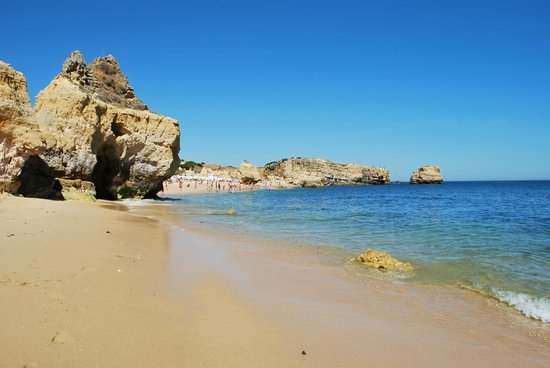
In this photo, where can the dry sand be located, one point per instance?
(198, 188)
(84, 285)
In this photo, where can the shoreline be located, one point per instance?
(187, 299)
(520, 302)
(494, 308)
(329, 256)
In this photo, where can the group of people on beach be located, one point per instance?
(211, 184)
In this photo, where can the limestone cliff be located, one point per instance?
(249, 173)
(19, 132)
(314, 172)
(427, 175)
(98, 131)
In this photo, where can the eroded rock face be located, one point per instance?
(427, 175)
(376, 176)
(381, 261)
(249, 173)
(314, 172)
(19, 133)
(98, 131)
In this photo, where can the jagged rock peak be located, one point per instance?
(107, 71)
(13, 89)
(75, 63)
(102, 77)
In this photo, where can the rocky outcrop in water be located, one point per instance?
(375, 176)
(314, 172)
(19, 133)
(427, 175)
(99, 132)
(381, 261)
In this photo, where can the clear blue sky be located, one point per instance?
(460, 84)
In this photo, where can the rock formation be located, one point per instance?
(375, 175)
(427, 175)
(314, 172)
(249, 173)
(381, 260)
(99, 132)
(19, 132)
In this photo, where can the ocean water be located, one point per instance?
(493, 237)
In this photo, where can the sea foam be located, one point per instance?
(537, 308)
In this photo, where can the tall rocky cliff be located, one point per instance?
(19, 132)
(93, 129)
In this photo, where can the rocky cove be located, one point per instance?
(89, 136)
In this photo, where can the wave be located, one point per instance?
(537, 308)
(140, 202)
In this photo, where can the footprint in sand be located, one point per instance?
(62, 338)
(56, 297)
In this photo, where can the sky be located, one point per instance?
(460, 84)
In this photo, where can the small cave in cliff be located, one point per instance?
(37, 180)
(105, 171)
(116, 129)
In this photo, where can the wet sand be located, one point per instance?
(88, 285)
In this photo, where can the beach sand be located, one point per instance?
(199, 188)
(87, 284)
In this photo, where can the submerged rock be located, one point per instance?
(99, 132)
(19, 132)
(427, 175)
(381, 260)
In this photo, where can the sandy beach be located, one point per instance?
(89, 284)
(192, 187)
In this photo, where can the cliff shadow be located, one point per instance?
(37, 180)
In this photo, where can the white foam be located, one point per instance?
(138, 202)
(538, 308)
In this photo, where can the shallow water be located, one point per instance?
(490, 236)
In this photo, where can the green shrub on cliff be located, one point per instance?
(189, 165)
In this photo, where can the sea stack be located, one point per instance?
(98, 132)
(427, 175)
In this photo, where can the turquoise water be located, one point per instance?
(491, 236)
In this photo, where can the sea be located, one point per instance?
(492, 237)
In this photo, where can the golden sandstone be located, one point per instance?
(381, 260)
